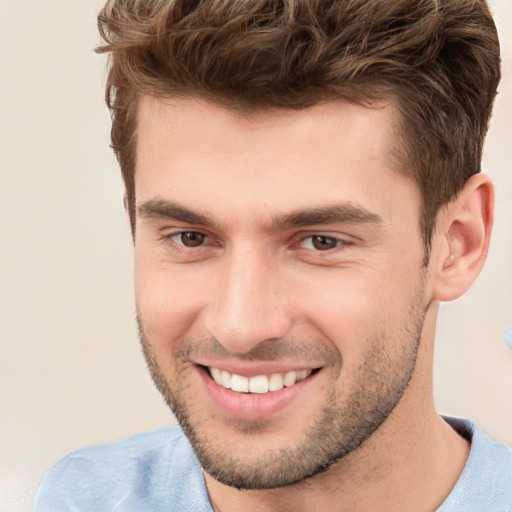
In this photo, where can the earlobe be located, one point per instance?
(463, 232)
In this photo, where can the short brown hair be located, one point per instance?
(437, 60)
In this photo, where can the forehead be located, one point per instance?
(331, 123)
(206, 155)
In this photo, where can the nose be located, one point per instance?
(248, 302)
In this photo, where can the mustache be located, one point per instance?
(189, 349)
(266, 351)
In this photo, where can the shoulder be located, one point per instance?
(486, 481)
(130, 456)
(140, 472)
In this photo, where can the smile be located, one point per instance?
(258, 384)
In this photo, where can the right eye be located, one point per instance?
(189, 238)
(321, 242)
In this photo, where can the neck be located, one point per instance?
(388, 473)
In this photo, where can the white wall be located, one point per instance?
(71, 372)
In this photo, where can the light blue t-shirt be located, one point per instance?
(158, 471)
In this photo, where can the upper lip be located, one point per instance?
(252, 369)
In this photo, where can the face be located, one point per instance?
(279, 281)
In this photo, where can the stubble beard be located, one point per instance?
(341, 427)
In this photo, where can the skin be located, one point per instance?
(255, 294)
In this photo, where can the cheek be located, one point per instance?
(354, 309)
(168, 301)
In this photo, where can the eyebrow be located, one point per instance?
(342, 213)
(162, 209)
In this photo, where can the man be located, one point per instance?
(303, 184)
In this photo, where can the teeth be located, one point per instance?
(239, 383)
(289, 379)
(225, 379)
(275, 383)
(259, 384)
(302, 374)
(217, 375)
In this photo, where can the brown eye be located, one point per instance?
(192, 238)
(324, 243)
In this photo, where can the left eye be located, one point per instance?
(321, 242)
(190, 238)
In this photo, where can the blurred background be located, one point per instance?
(71, 371)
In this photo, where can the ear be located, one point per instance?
(463, 233)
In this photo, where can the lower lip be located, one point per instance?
(253, 406)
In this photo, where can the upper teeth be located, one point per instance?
(259, 383)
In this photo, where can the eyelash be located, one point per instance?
(172, 237)
(339, 242)
(180, 246)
